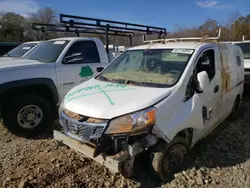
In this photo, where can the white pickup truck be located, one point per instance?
(32, 86)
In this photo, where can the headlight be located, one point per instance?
(132, 122)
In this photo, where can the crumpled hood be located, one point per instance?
(13, 63)
(107, 100)
(247, 63)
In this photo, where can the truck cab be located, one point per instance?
(162, 97)
(32, 86)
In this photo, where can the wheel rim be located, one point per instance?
(29, 116)
(174, 159)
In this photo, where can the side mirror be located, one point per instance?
(203, 80)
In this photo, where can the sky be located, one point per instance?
(162, 13)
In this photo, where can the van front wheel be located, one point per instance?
(167, 159)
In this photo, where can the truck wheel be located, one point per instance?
(167, 159)
(235, 111)
(28, 116)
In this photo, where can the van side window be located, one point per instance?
(82, 52)
(238, 60)
(207, 63)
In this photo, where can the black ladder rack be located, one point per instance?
(78, 24)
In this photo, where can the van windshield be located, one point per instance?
(47, 51)
(150, 68)
(20, 50)
(245, 47)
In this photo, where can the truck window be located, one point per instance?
(82, 52)
(207, 63)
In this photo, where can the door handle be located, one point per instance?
(99, 69)
(216, 89)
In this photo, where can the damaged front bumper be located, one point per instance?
(121, 162)
(116, 152)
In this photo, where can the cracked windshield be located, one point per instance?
(153, 67)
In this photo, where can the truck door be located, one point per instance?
(80, 63)
(209, 62)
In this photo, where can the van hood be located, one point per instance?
(107, 100)
(247, 63)
(12, 63)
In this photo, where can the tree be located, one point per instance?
(12, 27)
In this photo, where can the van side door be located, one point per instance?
(81, 62)
(209, 61)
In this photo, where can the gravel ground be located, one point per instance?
(221, 160)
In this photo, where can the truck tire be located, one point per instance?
(28, 115)
(168, 159)
(235, 113)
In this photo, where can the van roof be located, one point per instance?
(186, 45)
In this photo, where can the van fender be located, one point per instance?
(188, 115)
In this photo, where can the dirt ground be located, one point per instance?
(221, 160)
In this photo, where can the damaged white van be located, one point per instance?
(162, 97)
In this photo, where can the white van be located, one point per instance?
(163, 97)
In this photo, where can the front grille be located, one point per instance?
(82, 131)
(98, 131)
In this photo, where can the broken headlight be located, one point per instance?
(133, 122)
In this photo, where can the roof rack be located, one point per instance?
(78, 24)
(205, 38)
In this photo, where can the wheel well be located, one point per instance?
(187, 134)
(15, 92)
(238, 96)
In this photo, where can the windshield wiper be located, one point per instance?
(103, 78)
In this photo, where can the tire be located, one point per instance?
(160, 162)
(19, 114)
(235, 113)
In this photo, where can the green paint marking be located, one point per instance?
(106, 95)
(86, 71)
(106, 91)
(113, 87)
